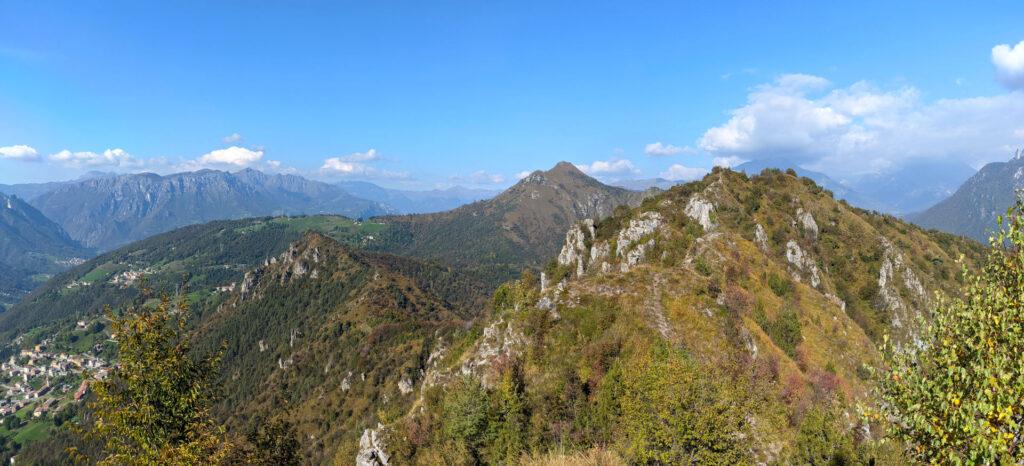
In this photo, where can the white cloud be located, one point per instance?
(355, 166)
(677, 172)
(609, 167)
(860, 128)
(523, 174)
(1009, 62)
(351, 164)
(232, 138)
(335, 164)
(657, 149)
(108, 158)
(234, 155)
(18, 152)
(727, 162)
(1019, 133)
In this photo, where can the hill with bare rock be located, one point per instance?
(734, 320)
(522, 226)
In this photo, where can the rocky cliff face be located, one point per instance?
(111, 211)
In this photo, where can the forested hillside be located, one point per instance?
(32, 247)
(331, 339)
(197, 259)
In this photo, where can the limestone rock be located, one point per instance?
(371, 448)
(405, 386)
(635, 255)
(807, 222)
(647, 223)
(700, 210)
(760, 237)
(802, 262)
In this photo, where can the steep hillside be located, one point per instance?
(209, 259)
(332, 339)
(722, 320)
(107, 212)
(31, 248)
(417, 202)
(972, 210)
(520, 227)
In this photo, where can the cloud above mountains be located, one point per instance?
(862, 128)
(87, 159)
(358, 165)
(234, 155)
(18, 152)
(609, 167)
(657, 149)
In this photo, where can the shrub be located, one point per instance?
(781, 285)
(673, 413)
(958, 399)
(785, 330)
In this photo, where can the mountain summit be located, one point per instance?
(520, 227)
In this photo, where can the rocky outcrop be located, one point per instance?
(803, 263)
(893, 271)
(760, 237)
(647, 223)
(810, 227)
(499, 341)
(635, 255)
(574, 251)
(701, 210)
(371, 448)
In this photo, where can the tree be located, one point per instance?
(958, 398)
(672, 413)
(508, 418)
(274, 444)
(465, 409)
(154, 406)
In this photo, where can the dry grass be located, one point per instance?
(592, 457)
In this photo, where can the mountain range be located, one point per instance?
(972, 210)
(762, 293)
(494, 239)
(417, 202)
(908, 189)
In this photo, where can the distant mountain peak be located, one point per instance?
(561, 173)
(565, 168)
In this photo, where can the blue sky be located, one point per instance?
(423, 94)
